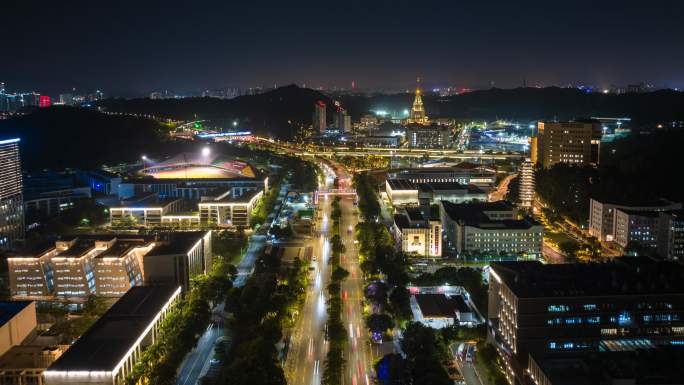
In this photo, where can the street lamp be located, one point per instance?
(234, 123)
(144, 159)
(206, 151)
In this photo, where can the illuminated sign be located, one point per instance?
(225, 134)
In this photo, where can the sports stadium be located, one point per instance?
(198, 166)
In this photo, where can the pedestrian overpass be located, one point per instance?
(335, 192)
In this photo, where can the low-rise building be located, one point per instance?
(490, 228)
(51, 203)
(439, 310)
(227, 209)
(145, 210)
(108, 265)
(602, 214)
(380, 141)
(463, 173)
(217, 208)
(404, 192)
(644, 366)
(78, 267)
(179, 259)
(555, 309)
(17, 323)
(25, 364)
(417, 233)
(428, 136)
(108, 351)
(636, 226)
(671, 235)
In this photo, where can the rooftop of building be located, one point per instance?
(83, 243)
(401, 184)
(623, 276)
(439, 305)
(179, 243)
(648, 366)
(641, 213)
(474, 212)
(227, 197)
(32, 357)
(9, 309)
(436, 170)
(448, 186)
(640, 203)
(121, 248)
(145, 200)
(102, 347)
(79, 249)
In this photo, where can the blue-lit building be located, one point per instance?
(11, 194)
(554, 310)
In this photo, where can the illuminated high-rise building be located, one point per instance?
(526, 183)
(574, 143)
(417, 115)
(342, 120)
(11, 197)
(319, 118)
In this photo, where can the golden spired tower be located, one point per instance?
(418, 111)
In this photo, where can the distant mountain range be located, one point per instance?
(280, 112)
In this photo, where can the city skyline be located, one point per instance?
(376, 46)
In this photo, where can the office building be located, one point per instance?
(428, 136)
(602, 214)
(526, 183)
(671, 235)
(108, 351)
(575, 143)
(404, 192)
(490, 228)
(464, 173)
(319, 119)
(418, 233)
(77, 267)
(556, 309)
(17, 323)
(179, 259)
(11, 194)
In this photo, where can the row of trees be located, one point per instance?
(183, 326)
(260, 309)
(337, 334)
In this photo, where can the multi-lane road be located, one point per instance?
(360, 353)
(308, 346)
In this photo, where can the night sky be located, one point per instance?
(132, 47)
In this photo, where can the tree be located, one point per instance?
(379, 323)
(400, 303)
(569, 248)
(392, 369)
